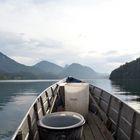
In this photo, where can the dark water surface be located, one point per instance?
(15, 99)
(17, 96)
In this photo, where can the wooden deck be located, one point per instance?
(94, 129)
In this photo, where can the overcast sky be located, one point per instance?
(102, 34)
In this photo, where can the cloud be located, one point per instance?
(99, 33)
(111, 52)
(22, 49)
(106, 61)
(30, 51)
(120, 58)
(114, 56)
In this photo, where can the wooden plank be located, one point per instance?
(106, 96)
(133, 126)
(115, 103)
(127, 110)
(24, 128)
(118, 118)
(46, 106)
(103, 105)
(122, 135)
(32, 114)
(42, 106)
(136, 135)
(88, 133)
(44, 98)
(19, 136)
(56, 88)
(125, 126)
(49, 104)
(127, 121)
(83, 138)
(61, 94)
(30, 127)
(114, 109)
(36, 111)
(49, 92)
(100, 111)
(27, 137)
(109, 103)
(94, 128)
(137, 127)
(113, 115)
(52, 92)
(96, 98)
(38, 104)
(91, 88)
(53, 100)
(36, 136)
(40, 114)
(97, 91)
(34, 127)
(100, 97)
(53, 103)
(105, 132)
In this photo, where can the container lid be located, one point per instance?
(62, 120)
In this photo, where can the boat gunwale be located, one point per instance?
(132, 122)
(32, 105)
(91, 87)
(113, 95)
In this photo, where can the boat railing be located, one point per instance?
(43, 104)
(122, 120)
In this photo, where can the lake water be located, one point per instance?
(17, 96)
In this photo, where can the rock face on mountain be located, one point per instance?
(129, 70)
(10, 69)
(79, 71)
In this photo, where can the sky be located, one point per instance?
(102, 34)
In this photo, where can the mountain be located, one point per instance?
(10, 69)
(8, 65)
(79, 71)
(129, 70)
(49, 67)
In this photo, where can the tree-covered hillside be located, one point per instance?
(129, 70)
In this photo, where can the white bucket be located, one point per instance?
(77, 98)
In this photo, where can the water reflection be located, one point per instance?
(128, 91)
(10, 89)
(15, 99)
(128, 87)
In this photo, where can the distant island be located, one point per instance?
(10, 69)
(129, 70)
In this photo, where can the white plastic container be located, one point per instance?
(77, 98)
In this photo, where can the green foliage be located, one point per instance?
(129, 70)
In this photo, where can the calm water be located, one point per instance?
(17, 96)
